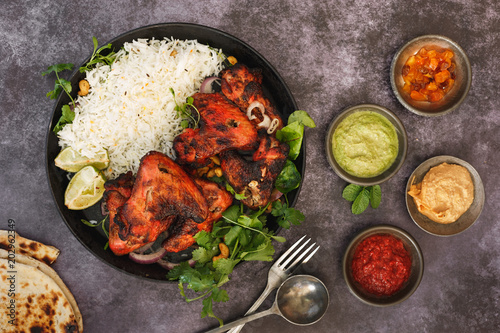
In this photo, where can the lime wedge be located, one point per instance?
(70, 160)
(85, 188)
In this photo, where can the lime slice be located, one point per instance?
(70, 160)
(85, 188)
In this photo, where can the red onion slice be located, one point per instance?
(206, 85)
(170, 265)
(148, 258)
(275, 195)
(144, 248)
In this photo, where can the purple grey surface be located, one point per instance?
(332, 54)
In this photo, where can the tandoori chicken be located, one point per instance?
(162, 192)
(222, 127)
(181, 233)
(243, 86)
(255, 178)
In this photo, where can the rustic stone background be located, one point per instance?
(332, 55)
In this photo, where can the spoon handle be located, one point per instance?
(243, 320)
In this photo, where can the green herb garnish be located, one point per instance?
(68, 115)
(362, 196)
(294, 132)
(185, 111)
(97, 57)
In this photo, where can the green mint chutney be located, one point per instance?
(365, 144)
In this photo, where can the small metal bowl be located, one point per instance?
(417, 266)
(453, 98)
(466, 220)
(396, 165)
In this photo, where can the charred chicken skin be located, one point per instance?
(182, 232)
(162, 192)
(116, 194)
(243, 86)
(255, 178)
(222, 127)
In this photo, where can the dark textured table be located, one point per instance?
(332, 54)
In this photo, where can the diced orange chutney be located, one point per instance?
(429, 74)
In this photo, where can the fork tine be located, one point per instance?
(294, 254)
(299, 261)
(285, 255)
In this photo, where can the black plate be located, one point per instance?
(93, 238)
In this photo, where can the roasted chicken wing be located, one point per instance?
(243, 86)
(181, 233)
(162, 192)
(222, 127)
(255, 178)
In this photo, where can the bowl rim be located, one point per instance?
(400, 97)
(393, 169)
(432, 162)
(398, 233)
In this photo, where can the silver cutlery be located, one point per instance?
(282, 269)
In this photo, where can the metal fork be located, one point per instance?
(281, 269)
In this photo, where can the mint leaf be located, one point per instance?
(288, 179)
(375, 196)
(351, 192)
(292, 134)
(302, 117)
(361, 203)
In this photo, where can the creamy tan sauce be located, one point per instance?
(445, 193)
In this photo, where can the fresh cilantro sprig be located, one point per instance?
(97, 57)
(68, 114)
(362, 196)
(247, 238)
(185, 111)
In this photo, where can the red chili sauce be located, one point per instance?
(381, 265)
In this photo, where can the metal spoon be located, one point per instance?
(301, 300)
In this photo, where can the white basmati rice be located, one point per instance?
(130, 108)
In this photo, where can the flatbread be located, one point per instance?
(46, 253)
(43, 303)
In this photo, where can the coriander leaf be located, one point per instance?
(225, 266)
(203, 255)
(177, 271)
(233, 234)
(286, 215)
(375, 196)
(219, 295)
(351, 192)
(237, 196)
(288, 179)
(250, 222)
(232, 213)
(57, 68)
(292, 134)
(302, 117)
(208, 310)
(361, 203)
(264, 252)
(206, 239)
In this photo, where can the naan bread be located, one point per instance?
(46, 253)
(43, 303)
